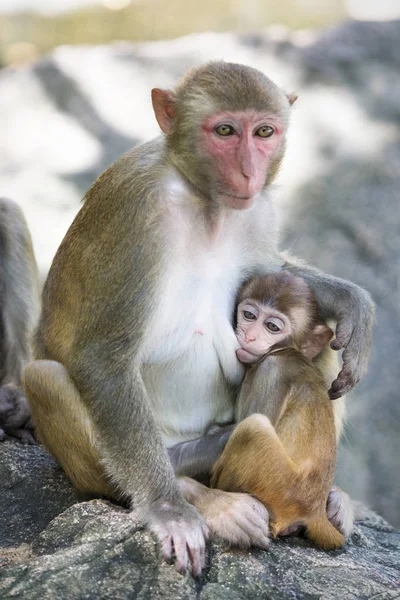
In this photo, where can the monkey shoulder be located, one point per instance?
(119, 209)
(297, 370)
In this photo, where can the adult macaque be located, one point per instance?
(136, 344)
(19, 310)
(286, 454)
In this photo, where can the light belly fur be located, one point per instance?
(189, 393)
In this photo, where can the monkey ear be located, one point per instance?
(292, 98)
(319, 337)
(164, 108)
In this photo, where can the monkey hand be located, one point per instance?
(26, 436)
(339, 510)
(353, 335)
(180, 530)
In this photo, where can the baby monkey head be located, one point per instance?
(278, 311)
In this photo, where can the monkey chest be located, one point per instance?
(189, 365)
(195, 308)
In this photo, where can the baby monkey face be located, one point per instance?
(259, 328)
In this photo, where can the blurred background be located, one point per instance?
(75, 93)
(29, 28)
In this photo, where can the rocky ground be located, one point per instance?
(51, 548)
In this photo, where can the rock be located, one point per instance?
(95, 550)
(33, 490)
(52, 547)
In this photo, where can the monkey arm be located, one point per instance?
(353, 309)
(197, 457)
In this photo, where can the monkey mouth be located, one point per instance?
(237, 197)
(245, 356)
(235, 201)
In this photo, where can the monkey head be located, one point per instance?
(225, 126)
(275, 311)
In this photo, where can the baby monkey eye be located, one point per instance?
(249, 315)
(224, 130)
(272, 327)
(265, 131)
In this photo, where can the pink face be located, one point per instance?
(258, 329)
(242, 146)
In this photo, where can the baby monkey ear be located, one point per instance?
(164, 108)
(292, 98)
(316, 341)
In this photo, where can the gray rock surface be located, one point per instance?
(33, 490)
(52, 547)
(95, 550)
(64, 119)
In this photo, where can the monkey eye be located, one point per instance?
(224, 130)
(249, 315)
(272, 327)
(265, 131)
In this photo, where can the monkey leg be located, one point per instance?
(64, 426)
(255, 461)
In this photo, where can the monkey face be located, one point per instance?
(259, 328)
(242, 147)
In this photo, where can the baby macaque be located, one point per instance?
(284, 449)
(15, 419)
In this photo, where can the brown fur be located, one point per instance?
(286, 455)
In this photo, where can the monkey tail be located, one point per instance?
(324, 534)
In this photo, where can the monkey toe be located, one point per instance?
(25, 436)
(238, 519)
(340, 511)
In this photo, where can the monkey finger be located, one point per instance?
(334, 395)
(244, 529)
(338, 389)
(256, 530)
(344, 330)
(341, 390)
(205, 530)
(181, 553)
(336, 345)
(197, 559)
(344, 382)
(255, 516)
(166, 547)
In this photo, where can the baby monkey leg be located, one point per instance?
(255, 461)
